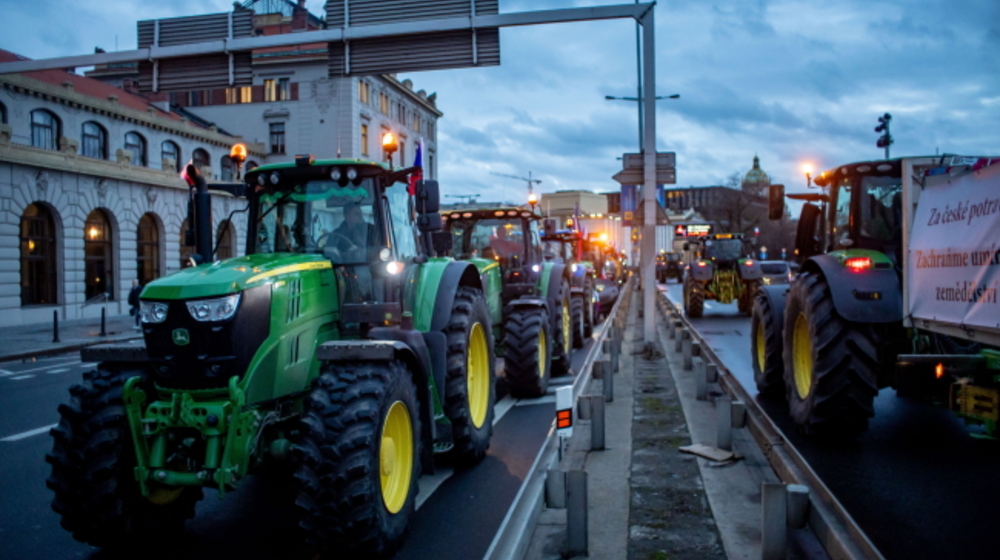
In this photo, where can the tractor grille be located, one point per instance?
(216, 351)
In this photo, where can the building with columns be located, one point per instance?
(90, 196)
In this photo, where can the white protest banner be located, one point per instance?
(954, 252)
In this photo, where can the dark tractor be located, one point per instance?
(669, 265)
(719, 271)
(528, 297)
(569, 248)
(337, 349)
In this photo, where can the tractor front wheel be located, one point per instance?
(527, 352)
(588, 308)
(830, 364)
(563, 333)
(765, 339)
(469, 387)
(93, 469)
(358, 458)
(578, 319)
(694, 299)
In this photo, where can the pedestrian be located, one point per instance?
(133, 301)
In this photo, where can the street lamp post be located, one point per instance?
(641, 128)
(808, 169)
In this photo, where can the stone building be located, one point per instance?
(90, 196)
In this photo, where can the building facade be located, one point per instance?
(90, 195)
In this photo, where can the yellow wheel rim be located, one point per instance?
(478, 375)
(396, 457)
(760, 347)
(567, 328)
(543, 352)
(802, 359)
(163, 495)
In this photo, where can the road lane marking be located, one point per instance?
(29, 433)
(88, 364)
(501, 408)
(58, 370)
(540, 400)
(7, 373)
(20, 377)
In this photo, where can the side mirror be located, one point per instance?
(776, 202)
(806, 240)
(429, 222)
(428, 197)
(442, 242)
(549, 227)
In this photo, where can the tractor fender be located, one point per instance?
(387, 344)
(702, 273)
(525, 302)
(870, 296)
(551, 280)
(457, 273)
(750, 270)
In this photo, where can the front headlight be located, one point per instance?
(152, 311)
(218, 309)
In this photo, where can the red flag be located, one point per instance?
(418, 162)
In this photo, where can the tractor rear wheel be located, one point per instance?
(527, 352)
(93, 469)
(563, 333)
(765, 339)
(745, 302)
(694, 299)
(830, 364)
(358, 458)
(588, 308)
(469, 387)
(578, 320)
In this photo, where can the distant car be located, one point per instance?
(776, 272)
(607, 293)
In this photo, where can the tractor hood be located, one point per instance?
(230, 276)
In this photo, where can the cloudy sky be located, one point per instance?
(792, 81)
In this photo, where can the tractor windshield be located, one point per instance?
(491, 238)
(320, 217)
(723, 249)
(557, 250)
(881, 207)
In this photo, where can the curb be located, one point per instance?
(62, 349)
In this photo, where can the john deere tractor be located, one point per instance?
(568, 247)
(719, 271)
(528, 298)
(337, 348)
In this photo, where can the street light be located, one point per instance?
(807, 168)
(658, 97)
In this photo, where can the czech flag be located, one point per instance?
(418, 162)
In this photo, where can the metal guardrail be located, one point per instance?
(833, 526)
(514, 535)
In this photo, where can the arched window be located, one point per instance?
(170, 150)
(200, 158)
(224, 241)
(187, 251)
(97, 256)
(147, 251)
(38, 256)
(137, 145)
(44, 130)
(226, 168)
(95, 141)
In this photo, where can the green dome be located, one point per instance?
(756, 179)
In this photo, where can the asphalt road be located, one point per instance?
(458, 512)
(918, 483)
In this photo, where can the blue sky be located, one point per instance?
(789, 80)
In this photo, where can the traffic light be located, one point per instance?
(885, 140)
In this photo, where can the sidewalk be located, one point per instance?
(30, 341)
(646, 499)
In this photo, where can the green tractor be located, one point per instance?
(719, 270)
(528, 298)
(669, 265)
(337, 349)
(569, 248)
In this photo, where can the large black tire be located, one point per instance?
(588, 308)
(562, 329)
(766, 345)
(830, 364)
(527, 352)
(578, 319)
(745, 302)
(93, 470)
(469, 388)
(341, 451)
(694, 299)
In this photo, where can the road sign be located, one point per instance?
(564, 411)
(633, 171)
(628, 204)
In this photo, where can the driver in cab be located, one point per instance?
(354, 233)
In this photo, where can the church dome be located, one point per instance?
(756, 179)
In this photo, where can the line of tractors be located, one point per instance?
(351, 346)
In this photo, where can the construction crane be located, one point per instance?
(530, 181)
(466, 198)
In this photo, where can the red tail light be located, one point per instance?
(859, 264)
(702, 263)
